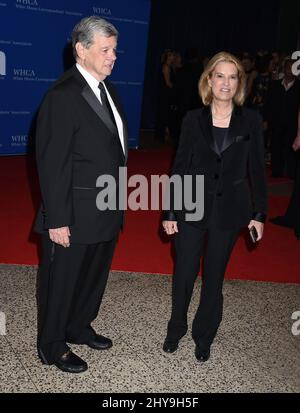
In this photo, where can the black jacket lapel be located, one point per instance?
(92, 100)
(96, 106)
(94, 103)
(122, 115)
(206, 126)
(234, 128)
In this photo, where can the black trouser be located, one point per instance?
(71, 283)
(189, 245)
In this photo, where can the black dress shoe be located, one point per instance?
(71, 363)
(202, 355)
(99, 343)
(170, 346)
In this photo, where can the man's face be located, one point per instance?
(100, 57)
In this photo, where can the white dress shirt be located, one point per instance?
(94, 83)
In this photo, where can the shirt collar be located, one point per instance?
(91, 80)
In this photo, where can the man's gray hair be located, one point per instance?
(85, 30)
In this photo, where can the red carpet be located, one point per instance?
(143, 247)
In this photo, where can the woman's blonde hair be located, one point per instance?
(204, 88)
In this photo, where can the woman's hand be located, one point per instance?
(170, 227)
(259, 226)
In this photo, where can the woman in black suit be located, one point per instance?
(223, 142)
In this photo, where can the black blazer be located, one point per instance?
(76, 142)
(234, 177)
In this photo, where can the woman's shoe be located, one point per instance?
(202, 355)
(170, 346)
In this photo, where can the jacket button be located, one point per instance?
(216, 176)
(219, 193)
(218, 160)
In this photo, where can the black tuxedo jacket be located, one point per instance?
(234, 177)
(76, 142)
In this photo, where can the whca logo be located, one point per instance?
(2, 64)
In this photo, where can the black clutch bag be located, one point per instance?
(253, 234)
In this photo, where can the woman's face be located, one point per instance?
(224, 81)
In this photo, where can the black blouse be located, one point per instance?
(219, 135)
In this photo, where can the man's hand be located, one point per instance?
(259, 226)
(60, 236)
(170, 227)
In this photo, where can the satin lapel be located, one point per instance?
(234, 129)
(94, 103)
(121, 113)
(206, 126)
(96, 106)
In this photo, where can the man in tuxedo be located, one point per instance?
(81, 135)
